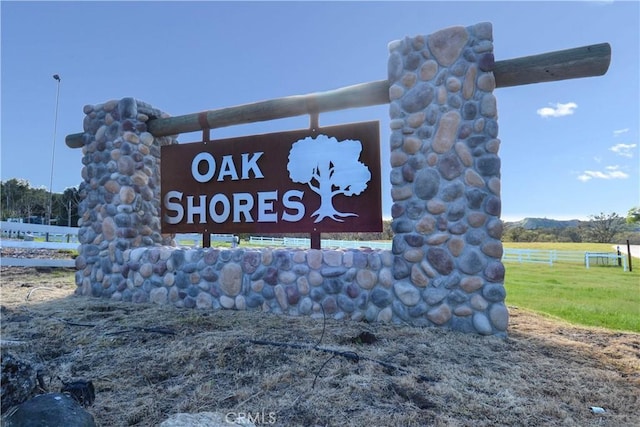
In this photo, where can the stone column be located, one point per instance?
(120, 192)
(446, 178)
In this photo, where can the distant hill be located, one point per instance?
(542, 223)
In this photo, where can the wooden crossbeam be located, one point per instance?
(586, 61)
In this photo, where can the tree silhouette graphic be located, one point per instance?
(330, 167)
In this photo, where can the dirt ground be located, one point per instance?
(148, 362)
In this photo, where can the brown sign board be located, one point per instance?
(326, 180)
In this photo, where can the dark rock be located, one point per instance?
(491, 127)
(396, 176)
(254, 300)
(352, 290)
(381, 297)
(493, 206)
(271, 276)
(494, 292)
(412, 61)
(401, 268)
(469, 110)
(374, 261)
(452, 191)
(488, 165)
(333, 271)
(293, 296)
(359, 259)
(426, 184)
(494, 272)
(408, 173)
(396, 140)
(329, 304)
(450, 166)
(282, 260)
(18, 380)
(440, 260)
(127, 108)
(209, 274)
(475, 198)
(50, 410)
(346, 304)
(415, 209)
(402, 226)
(456, 211)
(400, 310)
(486, 62)
(471, 262)
(414, 240)
(332, 286)
(398, 244)
(465, 131)
(476, 236)
(418, 310)
(251, 262)
(396, 210)
(434, 295)
(418, 98)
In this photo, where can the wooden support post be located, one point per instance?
(574, 63)
(206, 138)
(629, 256)
(315, 240)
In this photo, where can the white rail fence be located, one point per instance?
(554, 256)
(301, 242)
(37, 236)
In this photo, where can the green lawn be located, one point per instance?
(600, 296)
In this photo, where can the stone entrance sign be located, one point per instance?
(327, 180)
(444, 268)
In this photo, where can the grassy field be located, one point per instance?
(600, 296)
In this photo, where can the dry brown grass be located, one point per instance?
(545, 373)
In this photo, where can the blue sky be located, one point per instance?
(569, 149)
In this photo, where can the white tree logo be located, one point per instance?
(330, 167)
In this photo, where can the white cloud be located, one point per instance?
(558, 110)
(619, 132)
(625, 150)
(610, 172)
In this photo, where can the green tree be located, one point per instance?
(602, 228)
(13, 192)
(633, 216)
(66, 207)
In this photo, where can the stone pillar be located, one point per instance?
(446, 178)
(120, 192)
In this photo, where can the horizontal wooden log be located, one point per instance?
(361, 95)
(587, 61)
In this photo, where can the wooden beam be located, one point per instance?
(586, 61)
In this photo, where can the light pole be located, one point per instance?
(53, 152)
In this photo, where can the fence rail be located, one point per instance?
(37, 236)
(195, 239)
(542, 256)
(555, 256)
(301, 242)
